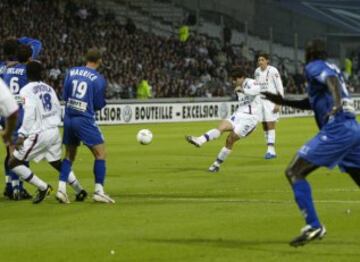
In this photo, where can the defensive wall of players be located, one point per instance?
(180, 110)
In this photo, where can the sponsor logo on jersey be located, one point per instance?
(76, 105)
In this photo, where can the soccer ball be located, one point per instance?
(144, 136)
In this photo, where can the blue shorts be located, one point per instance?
(81, 129)
(337, 143)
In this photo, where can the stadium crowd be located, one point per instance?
(195, 68)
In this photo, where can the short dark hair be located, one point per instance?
(10, 47)
(238, 72)
(264, 55)
(93, 55)
(34, 71)
(315, 49)
(23, 53)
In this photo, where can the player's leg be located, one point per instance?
(212, 134)
(8, 191)
(81, 194)
(53, 156)
(333, 145)
(90, 134)
(354, 173)
(269, 130)
(224, 152)
(296, 174)
(17, 188)
(268, 120)
(99, 169)
(24, 194)
(71, 142)
(351, 164)
(20, 169)
(15, 181)
(65, 172)
(243, 125)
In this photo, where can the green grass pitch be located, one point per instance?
(170, 209)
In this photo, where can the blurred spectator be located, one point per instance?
(348, 68)
(184, 33)
(173, 68)
(143, 90)
(55, 72)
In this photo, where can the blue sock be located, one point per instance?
(65, 170)
(13, 176)
(303, 198)
(7, 172)
(99, 171)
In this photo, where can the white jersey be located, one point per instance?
(271, 78)
(8, 105)
(41, 108)
(249, 97)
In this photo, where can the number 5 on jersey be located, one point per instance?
(79, 89)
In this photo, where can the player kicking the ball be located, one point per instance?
(240, 124)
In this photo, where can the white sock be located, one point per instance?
(99, 188)
(210, 135)
(74, 183)
(62, 186)
(223, 154)
(15, 183)
(25, 173)
(36, 181)
(7, 179)
(270, 139)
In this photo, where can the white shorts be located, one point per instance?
(46, 144)
(243, 124)
(266, 111)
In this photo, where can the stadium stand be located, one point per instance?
(132, 52)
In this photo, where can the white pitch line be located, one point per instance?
(231, 200)
(330, 190)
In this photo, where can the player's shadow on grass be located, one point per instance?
(262, 245)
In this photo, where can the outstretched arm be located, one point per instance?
(334, 88)
(35, 45)
(303, 104)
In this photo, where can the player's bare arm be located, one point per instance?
(276, 109)
(10, 127)
(334, 88)
(303, 104)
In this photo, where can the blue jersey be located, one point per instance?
(319, 96)
(84, 92)
(2, 71)
(35, 45)
(338, 142)
(15, 77)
